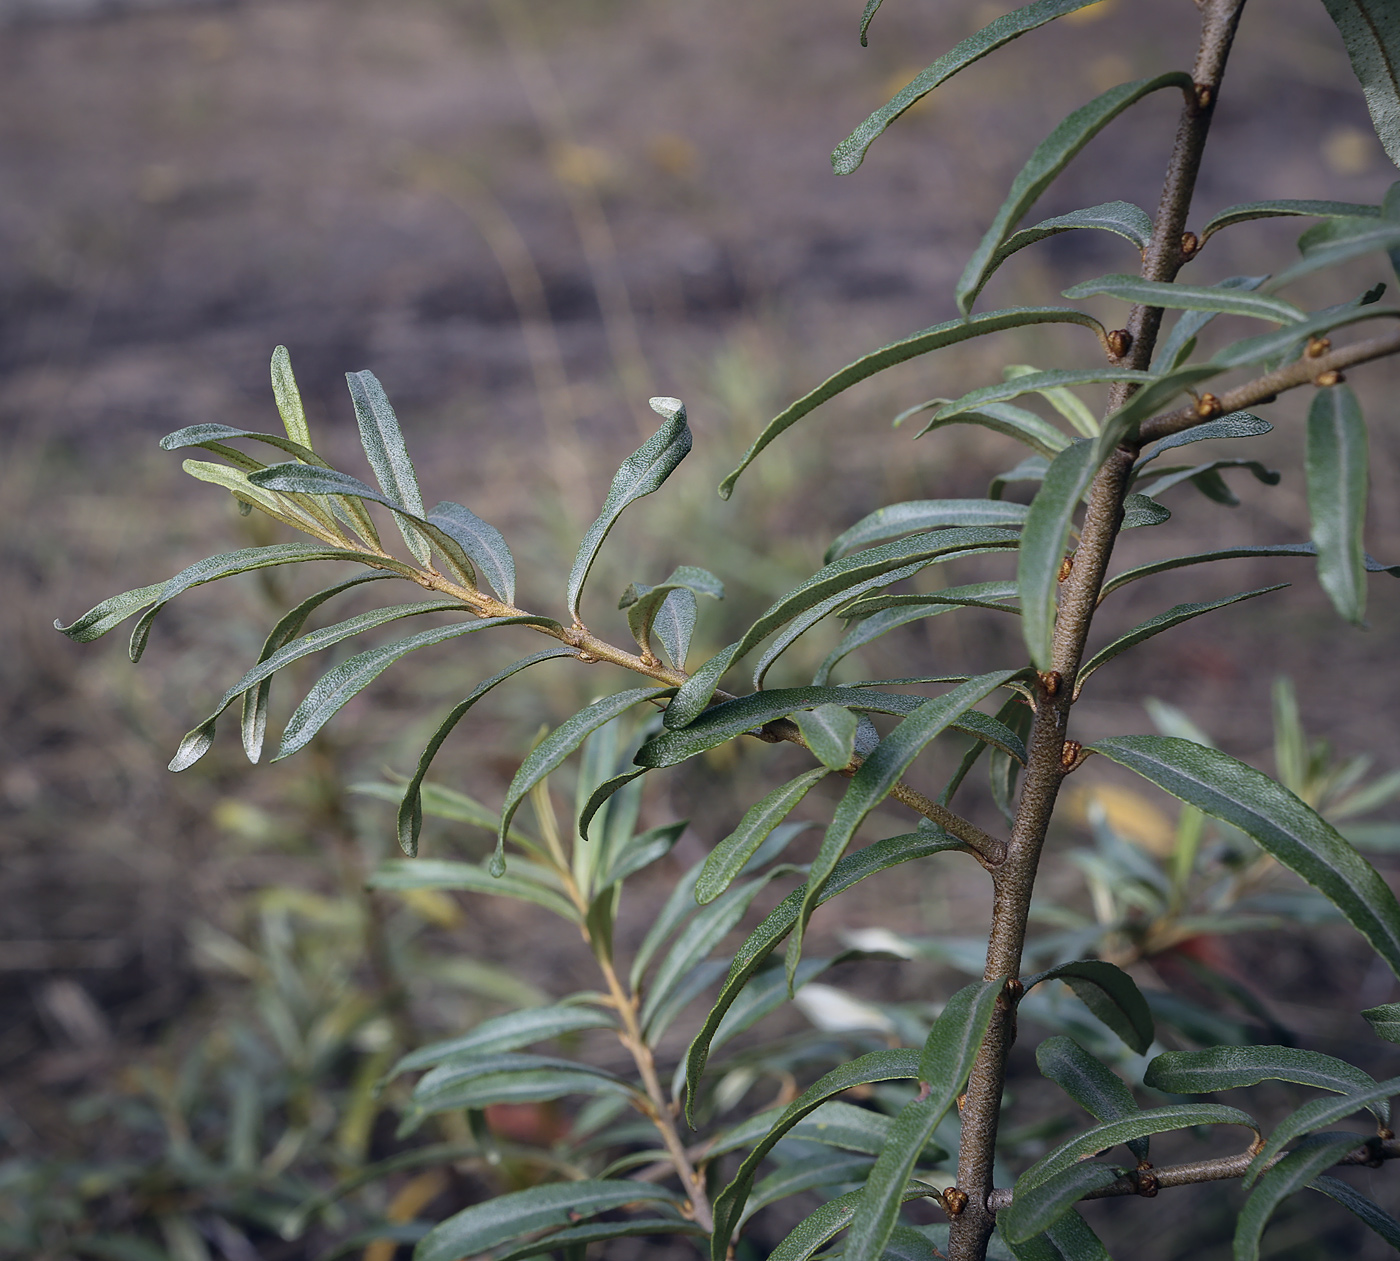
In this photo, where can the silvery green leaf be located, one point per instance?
(482, 542)
(851, 151)
(641, 473)
(948, 333)
(1370, 30)
(923, 514)
(729, 857)
(1337, 467)
(1173, 296)
(1043, 541)
(830, 732)
(1003, 418)
(388, 456)
(1051, 156)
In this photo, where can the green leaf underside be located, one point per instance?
(827, 583)
(1230, 1067)
(1119, 217)
(388, 456)
(1110, 993)
(196, 743)
(877, 1066)
(1384, 1021)
(481, 541)
(855, 867)
(1108, 1134)
(1091, 1084)
(1369, 1212)
(1174, 616)
(940, 335)
(103, 617)
(850, 152)
(1188, 297)
(1294, 1172)
(944, 1064)
(1246, 211)
(830, 733)
(1049, 159)
(921, 515)
(430, 873)
(1229, 553)
(288, 398)
(1038, 1208)
(1371, 33)
(339, 685)
(510, 1032)
(1277, 820)
(1033, 383)
(557, 745)
(410, 812)
(507, 1217)
(877, 775)
(1231, 425)
(1003, 418)
(640, 474)
(1315, 1114)
(1336, 477)
(507, 1077)
(1043, 541)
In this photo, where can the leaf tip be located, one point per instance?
(666, 406)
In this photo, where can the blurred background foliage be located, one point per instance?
(525, 219)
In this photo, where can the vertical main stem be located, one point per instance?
(1047, 764)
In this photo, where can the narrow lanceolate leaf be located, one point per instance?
(830, 1169)
(1384, 1021)
(1294, 1172)
(877, 622)
(877, 775)
(1003, 418)
(600, 797)
(870, 7)
(302, 513)
(944, 1064)
(509, 1217)
(1033, 383)
(103, 617)
(923, 514)
(1230, 1067)
(284, 390)
(426, 873)
(579, 1237)
(645, 607)
(1269, 346)
(557, 745)
(410, 813)
(805, 1239)
(1230, 553)
(197, 742)
(1174, 616)
(830, 732)
(1277, 820)
(508, 1077)
(1313, 1116)
(1337, 241)
(875, 1067)
(347, 680)
(510, 1032)
(388, 456)
(482, 542)
(1188, 298)
(1110, 993)
(1208, 481)
(729, 857)
(1176, 347)
(1284, 207)
(1119, 217)
(641, 473)
(764, 939)
(212, 435)
(1232, 425)
(850, 152)
(1037, 1209)
(1049, 159)
(1043, 541)
(936, 338)
(254, 718)
(1090, 1083)
(1176, 1116)
(1337, 471)
(1367, 1210)
(1371, 32)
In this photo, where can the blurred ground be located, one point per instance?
(393, 186)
